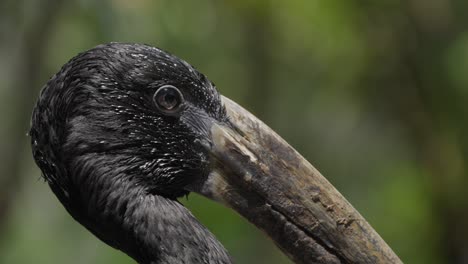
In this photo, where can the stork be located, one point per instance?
(123, 130)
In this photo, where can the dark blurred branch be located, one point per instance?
(31, 59)
(257, 33)
(415, 91)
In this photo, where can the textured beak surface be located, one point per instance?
(265, 180)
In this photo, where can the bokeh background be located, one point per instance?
(373, 93)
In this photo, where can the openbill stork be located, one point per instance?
(123, 130)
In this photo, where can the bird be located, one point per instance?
(123, 130)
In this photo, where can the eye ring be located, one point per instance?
(168, 99)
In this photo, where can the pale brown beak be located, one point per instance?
(264, 179)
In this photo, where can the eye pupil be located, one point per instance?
(168, 99)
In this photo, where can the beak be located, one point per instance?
(258, 174)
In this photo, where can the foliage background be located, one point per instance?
(373, 93)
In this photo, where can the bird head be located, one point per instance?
(135, 109)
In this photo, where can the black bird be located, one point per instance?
(123, 130)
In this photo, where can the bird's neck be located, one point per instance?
(150, 228)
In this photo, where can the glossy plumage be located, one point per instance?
(117, 163)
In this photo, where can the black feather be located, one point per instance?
(116, 162)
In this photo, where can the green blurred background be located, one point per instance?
(373, 93)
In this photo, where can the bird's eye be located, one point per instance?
(168, 99)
